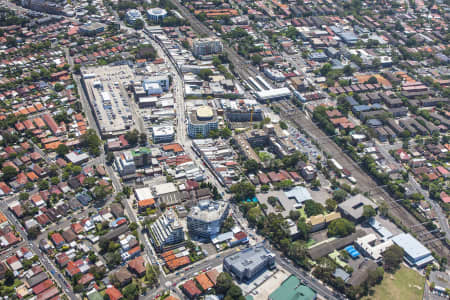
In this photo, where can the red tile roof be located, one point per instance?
(191, 289)
(113, 293)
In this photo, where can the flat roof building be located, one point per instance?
(166, 230)
(369, 247)
(201, 121)
(247, 264)
(108, 98)
(207, 46)
(416, 254)
(156, 14)
(167, 193)
(132, 15)
(273, 94)
(354, 206)
(92, 29)
(162, 134)
(205, 219)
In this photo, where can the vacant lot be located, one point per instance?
(405, 284)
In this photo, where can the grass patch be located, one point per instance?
(405, 284)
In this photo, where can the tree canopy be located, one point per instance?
(341, 227)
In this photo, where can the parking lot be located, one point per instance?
(303, 144)
(267, 282)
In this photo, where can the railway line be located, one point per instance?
(293, 114)
(365, 182)
(241, 67)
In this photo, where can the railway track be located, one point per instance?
(292, 113)
(240, 65)
(365, 182)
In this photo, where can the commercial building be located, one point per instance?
(274, 74)
(162, 80)
(167, 193)
(166, 230)
(162, 134)
(124, 164)
(132, 15)
(273, 94)
(108, 98)
(156, 14)
(415, 253)
(207, 46)
(242, 110)
(353, 207)
(201, 121)
(92, 29)
(291, 289)
(205, 219)
(247, 264)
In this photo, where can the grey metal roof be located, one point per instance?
(412, 247)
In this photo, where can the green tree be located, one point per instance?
(375, 276)
(9, 277)
(24, 196)
(315, 184)
(205, 74)
(234, 292)
(304, 229)
(372, 80)
(340, 228)
(313, 208)
(251, 165)
(33, 232)
(132, 137)
(62, 149)
(331, 204)
(91, 141)
(368, 212)
(131, 291)
(227, 224)
(243, 190)
(224, 282)
(143, 139)
(225, 132)
(58, 87)
(339, 195)
(294, 215)
(384, 209)
(256, 59)
(9, 173)
(138, 24)
(283, 125)
(265, 188)
(298, 252)
(392, 258)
